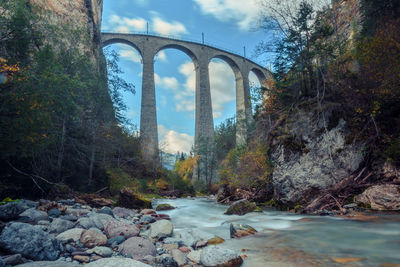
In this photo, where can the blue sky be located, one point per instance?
(230, 24)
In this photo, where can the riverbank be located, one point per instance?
(74, 234)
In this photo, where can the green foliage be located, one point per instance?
(392, 152)
(225, 138)
(8, 200)
(246, 167)
(59, 122)
(119, 179)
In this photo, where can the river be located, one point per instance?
(287, 239)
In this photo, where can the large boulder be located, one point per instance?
(117, 262)
(380, 197)
(72, 234)
(12, 210)
(95, 220)
(92, 238)
(190, 237)
(123, 212)
(116, 228)
(240, 230)
(161, 229)
(241, 207)
(129, 199)
(33, 215)
(311, 158)
(60, 225)
(29, 241)
(137, 248)
(216, 256)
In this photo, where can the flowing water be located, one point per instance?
(286, 239)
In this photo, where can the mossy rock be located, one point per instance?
(241, 207)
(215, 241)
(257, 209)
(164, 207)
(131, 200)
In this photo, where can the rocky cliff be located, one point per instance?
(77, 13)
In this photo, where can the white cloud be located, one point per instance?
(131, 55)
(166, 82)
(223, 87)
(172, 141)
(245, 14)
(163, 27)
(124, 24)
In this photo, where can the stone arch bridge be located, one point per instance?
(201, 54)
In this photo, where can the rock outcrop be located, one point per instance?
(311, 157)
(380, 197)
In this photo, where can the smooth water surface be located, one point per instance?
(286, 239)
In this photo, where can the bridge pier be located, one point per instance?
(148, 113)
(204, 129)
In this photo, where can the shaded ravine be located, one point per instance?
(286, 239)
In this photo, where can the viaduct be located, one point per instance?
(201, 54)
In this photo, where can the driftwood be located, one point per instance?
(334, 198)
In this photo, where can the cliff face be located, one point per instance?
(80, 13)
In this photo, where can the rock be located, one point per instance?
(101, 251)
(146, 219)
(131, 200)
(240, 230)
(148, 212)
(137, 248)
(54, 213)
(185, 249)
(74, 234)
(179, 257)
(241, 207)
(161, 216)
(50, 264)
(116, 240)
(169, 247)
(93, 237)
(83, 259)
(94, 201)
(58, 226)
(149, 259)
(221, 257)
(117, 262)
(313, 159)
(33, 215)
(13, 259)
(173, 240)
(29, 241)
(201, 244)
(70, 218)
(106, 210)
(76, 212)
(10, 211)
(167, 261)
(164, 207)
(115, 228)
(215, 241)
(123, 212)
(190, 237)
(194, 256)
(350, 206)
(161, 229)
(380, 197)
(2, 264)
(95, 220)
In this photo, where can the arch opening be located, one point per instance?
(175, 82)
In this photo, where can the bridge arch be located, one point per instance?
(181, 48)
(122, 41)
